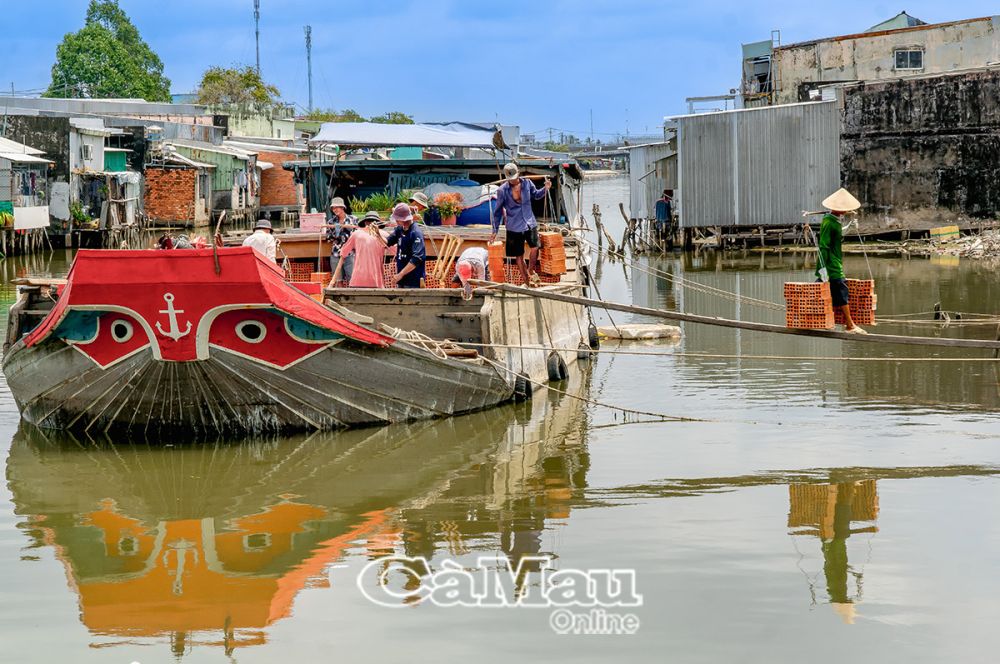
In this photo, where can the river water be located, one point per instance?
(825, 508)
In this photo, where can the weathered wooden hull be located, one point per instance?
(344, 385)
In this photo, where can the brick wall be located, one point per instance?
(277, 186)
(170, 194)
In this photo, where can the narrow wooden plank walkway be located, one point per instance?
(543, 293)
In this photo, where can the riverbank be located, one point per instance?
(985, 245)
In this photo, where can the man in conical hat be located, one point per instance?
(830, 266)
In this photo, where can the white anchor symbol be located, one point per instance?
(174, 332)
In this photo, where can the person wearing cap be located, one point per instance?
(419, 203)
(338, 229)
(471, 264)
(367, 247)
(263, 241)
(830, 263)
(410, 252)
(513, 207)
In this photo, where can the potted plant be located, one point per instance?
(449, 206)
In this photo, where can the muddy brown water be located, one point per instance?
(828, 508)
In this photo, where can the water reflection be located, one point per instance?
(210, 544)
(830, 505)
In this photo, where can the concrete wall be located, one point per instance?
(924, 152)
(170, 194)
(871, 56)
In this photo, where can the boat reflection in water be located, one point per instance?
(210, 544)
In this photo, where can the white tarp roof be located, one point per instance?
(7, 145)
(22, 158)
(371, 134)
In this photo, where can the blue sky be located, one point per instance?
(536, 64)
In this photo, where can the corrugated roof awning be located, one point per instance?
(177, 158)
(371, 134)
(21, 158)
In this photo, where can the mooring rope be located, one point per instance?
(688, 283)
(721, 356)
(661, 417)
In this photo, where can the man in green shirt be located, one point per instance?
(830, 265)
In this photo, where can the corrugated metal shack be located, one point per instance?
(652, 168)
(757, 167)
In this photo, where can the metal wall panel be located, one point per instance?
(649, 174)
(757, 167)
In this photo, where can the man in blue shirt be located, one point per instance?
(410, 252)
(514, 202)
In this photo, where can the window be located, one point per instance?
(86, 152)
(909, 58)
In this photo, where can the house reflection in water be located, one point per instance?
(828, 511)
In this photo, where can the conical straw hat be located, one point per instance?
(841, 201)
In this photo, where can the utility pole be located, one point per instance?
(256, 28)
(309, 63)
(591, 125)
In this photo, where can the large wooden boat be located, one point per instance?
(190, 342)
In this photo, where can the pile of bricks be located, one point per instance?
(808, 306)
(322, 278)
(553, 254)
(169, 194)
(497, 261)
(861, 300)
(300, 270)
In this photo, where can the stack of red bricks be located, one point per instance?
(497, 260)
(300, 270)
(277, 186)
(861, 300)
(170, 194)
(553, 254)
(808, 306)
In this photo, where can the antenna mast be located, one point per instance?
(256, 27)
(309, 63)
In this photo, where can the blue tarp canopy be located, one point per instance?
(371, 134)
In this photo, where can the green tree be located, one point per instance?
(331, 115)
(235, 85)
(107, 58)
(392, 117)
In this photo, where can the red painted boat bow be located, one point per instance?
(177, 294)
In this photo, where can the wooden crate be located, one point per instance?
(808, 305)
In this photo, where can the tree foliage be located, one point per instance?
(393, 117)
(107, 58)
(235, 85)
(350, 115)
(331, 115)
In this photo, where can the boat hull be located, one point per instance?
(345, 385)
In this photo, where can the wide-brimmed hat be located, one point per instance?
(841, 201)
(510, 171)
(262, 223)
(420, 198)
(401, 213)
(371, 217)
(337, 202)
